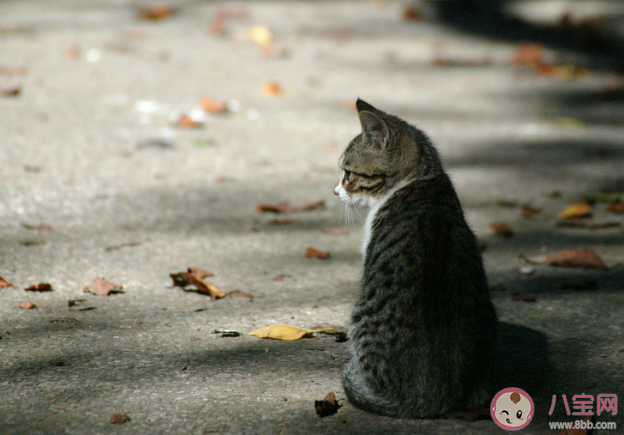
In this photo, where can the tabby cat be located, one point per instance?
(423, 329)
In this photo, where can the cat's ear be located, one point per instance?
(374, 126)
(361, 105)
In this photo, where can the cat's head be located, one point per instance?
(387, 152)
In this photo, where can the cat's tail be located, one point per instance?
(362, 396)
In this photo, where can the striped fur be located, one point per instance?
(423, 329)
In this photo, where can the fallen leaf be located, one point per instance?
(102, 287)
(64, 319)
(528, 54)
(519, 297)
(184, 279)
(74, 302)
(227, 333)
(119, 419)
(283, 332)
(4, 283)
(275, 52)
(282, 222)
(502, 229)
(578, 258)
(212, 106)
(122, 245)
(449, 62)
(240, 294)
(279, 277)
(12, 71)
(616, 207)
(156, 12)
(185, 121)
(582, 209)
(261, 35)
(328, 406)
(11, 92)
(41, 287)
(282, 207)
(31, 242)
(565, 72)
(588, 223)
(41, 227)
(272, 89)
(26, 305)
(71, 52)
(199, 273)
(412, 13)
(314, 253)
(529, 212)
(217, 26)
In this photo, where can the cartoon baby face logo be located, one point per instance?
(512, 409)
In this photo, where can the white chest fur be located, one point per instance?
(375, 206)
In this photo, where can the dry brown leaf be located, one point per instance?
(529, 212)
(272, 89)
(74, 302)
(212, 106)
(26, 305)
(40, 287)
(616, 207)
(582, 209)
(71, 52)
(11, 92)
(156, 12)
(588, 223)
(12, 71)
(4, 283)
(502, 229)
(185, 121)
(282, 207)
(41, 227)
(217, 26)
(519, 297)
(122, 245)
(184, 279)
(31, 242)
(315, 253)
(119, 419)
(199, 273)
(412, 13)
(328, 406)
(283, 332)
(64, 319)
(279, 277)
(528, 54)
(578, 258)
(102, 287)
(282, 222)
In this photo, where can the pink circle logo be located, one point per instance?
(512, 409)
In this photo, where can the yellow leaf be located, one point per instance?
(284, 332)
(261, 35)
(579, 210)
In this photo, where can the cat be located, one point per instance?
(423, 330)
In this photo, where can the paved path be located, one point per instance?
(89, 148)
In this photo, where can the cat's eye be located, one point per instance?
(347, 174)
(519, 413)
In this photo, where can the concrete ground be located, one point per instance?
(88, 147)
